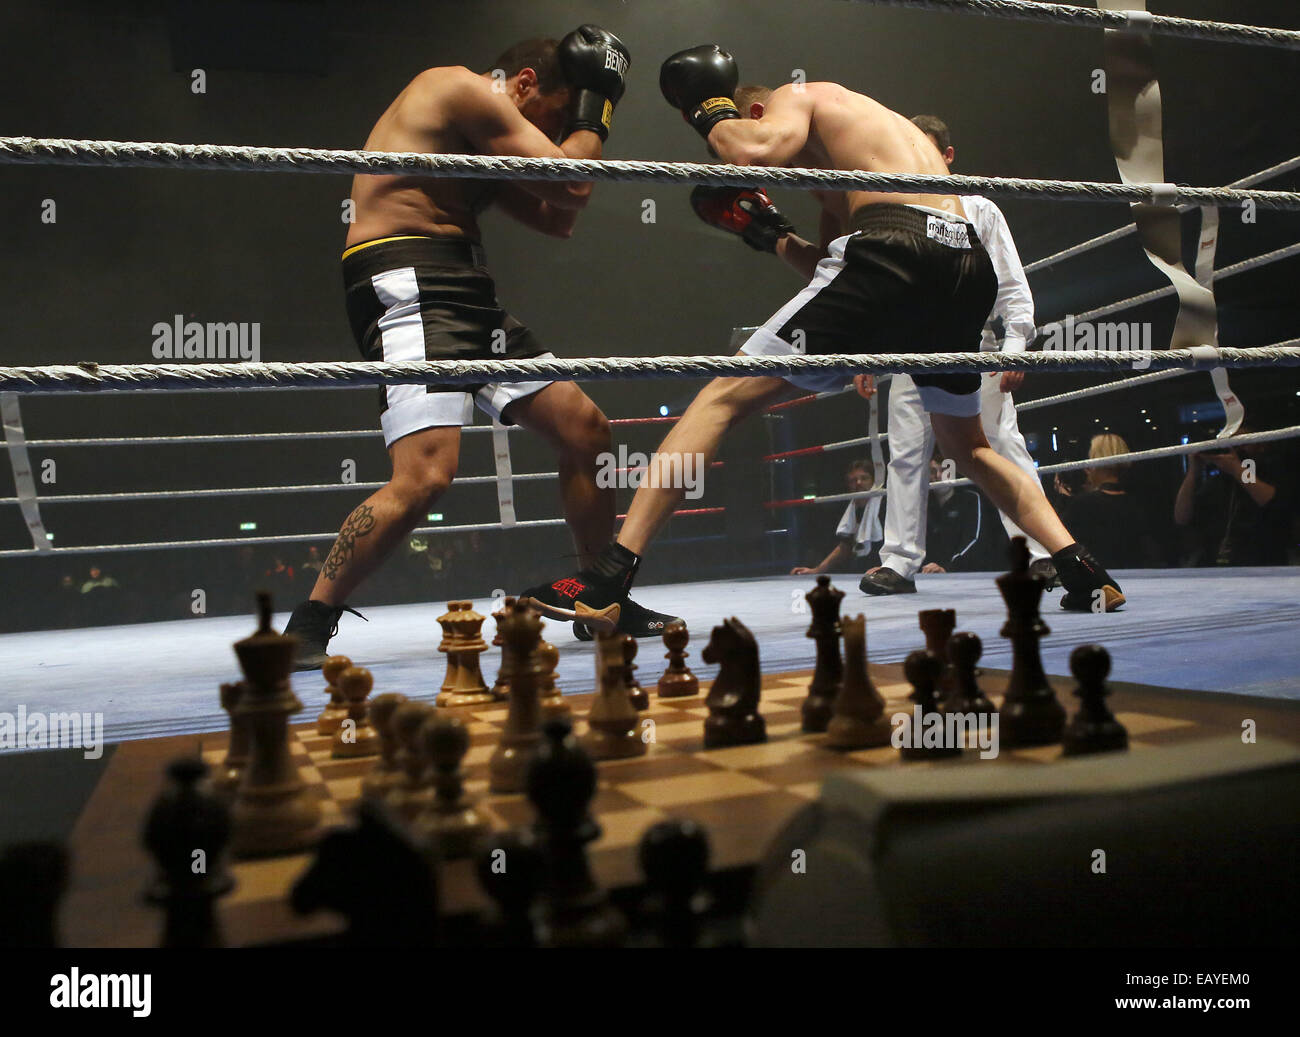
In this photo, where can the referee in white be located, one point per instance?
(911, 439)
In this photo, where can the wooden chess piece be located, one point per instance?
(613, 728)
(226, 781)
(411, 795)
(677, 681)
(451, 647)
(521, 632)
(509, 868)
(274, 812)
(501, 687)
(1030, 713)
(386, 771)
(733, 700)
(449, 826)
(937, 625)
(964, 651)
(466, 644)
(186, 832)
(858, 720)
(674, 856)
(828, 674)
(572, 910)
(1094, 728)
(374, 875)
(356, 736)
(926, 732)
(552, 702)
(640, 700)
(336, 710)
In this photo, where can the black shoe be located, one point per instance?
(633, 619)
(1043, 567)
(885, 581)
(313, 623)
(594, 596)
(1089, 587)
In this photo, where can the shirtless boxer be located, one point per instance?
(896, 270)
(417, 288)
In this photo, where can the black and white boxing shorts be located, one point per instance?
(906, 279)
(432, 298)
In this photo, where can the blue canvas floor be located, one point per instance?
(1234, 631)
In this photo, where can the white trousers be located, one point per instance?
(911, 445)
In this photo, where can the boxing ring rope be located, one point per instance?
(1119, 233)
(1153, 454)
(1088, 17)
(240, 158)
(90, 377)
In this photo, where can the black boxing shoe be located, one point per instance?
(595, 596)
(313, 623)
(1088, 587)
(634, 619)
(885, 581)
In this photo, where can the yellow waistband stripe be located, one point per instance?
(380, 241)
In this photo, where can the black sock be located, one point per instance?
(1069, 553)
(616, 562)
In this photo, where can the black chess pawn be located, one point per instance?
(572, 910)
(926, 729)
(828, 673)
(186, 833)
(509, 867)
(964, 651)
(1094, 728)
(674, 857)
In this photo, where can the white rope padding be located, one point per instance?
(1154, 454)
(229, 157)
(1133, 21)
(1120, 233)
(89, 377)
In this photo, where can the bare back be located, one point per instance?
(851, 131)
(419, 119)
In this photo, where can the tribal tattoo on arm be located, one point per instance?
(358, 524)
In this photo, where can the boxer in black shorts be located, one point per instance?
(892, 272)
(418, 288)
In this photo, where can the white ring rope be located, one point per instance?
(124, 154)
(1098, 390)
(92, 377)
(1254, 263)
(1155, 453)
(1134, 21)
(1120, 233)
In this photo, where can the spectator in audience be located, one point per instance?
(962, 529)
(278, 579)
(1103, 514)
(1237, 505)
(98, 580)
(859, 533)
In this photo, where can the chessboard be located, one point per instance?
(741, 795)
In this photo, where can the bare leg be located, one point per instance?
(424, 464)
(1013, 491)
(565, 417)
(719, 406)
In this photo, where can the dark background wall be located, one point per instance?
(133, 247)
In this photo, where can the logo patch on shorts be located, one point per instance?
(947, 232)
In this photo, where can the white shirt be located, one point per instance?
(863, 532)
(1015, 303)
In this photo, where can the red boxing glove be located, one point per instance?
(746, 211)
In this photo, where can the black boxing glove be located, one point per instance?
(700, 83)
(595, 64)
(746, 211)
